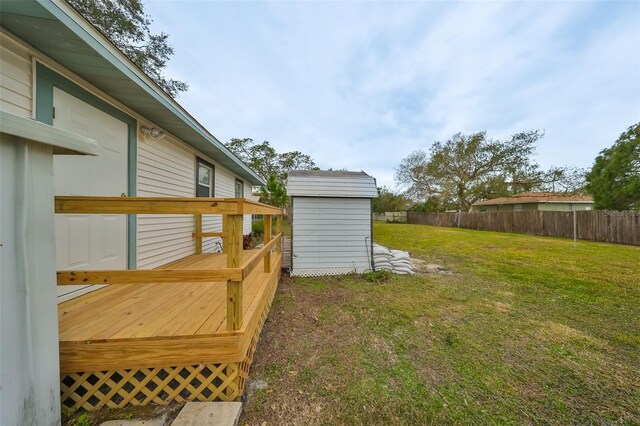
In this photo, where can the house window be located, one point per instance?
(239, 188)
(517, 207)
(205, 174)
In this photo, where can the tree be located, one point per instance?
(273, 193)
(614, 179)
(125, 23)
(468, 168)
(266, 161)
(389, 201)
(431, 204)
(565, 179)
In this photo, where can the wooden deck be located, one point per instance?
(133, 329)
(141, 325)
(182, 332)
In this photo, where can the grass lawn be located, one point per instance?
(527, 330)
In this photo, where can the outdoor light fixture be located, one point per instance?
(154, 132)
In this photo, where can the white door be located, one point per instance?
(86, 242)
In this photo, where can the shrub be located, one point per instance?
(257, 228)
(246, 241)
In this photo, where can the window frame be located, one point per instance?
(241, 182)
(212, 187)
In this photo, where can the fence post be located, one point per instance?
(198, 231)
(575, 229)
(267, 238)
(233, 248)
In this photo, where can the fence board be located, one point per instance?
(592, 225)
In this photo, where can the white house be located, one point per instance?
(331, 222)
(58, 71)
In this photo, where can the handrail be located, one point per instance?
(145, 276)
(160, 205)
(232, 210)
(248, 267)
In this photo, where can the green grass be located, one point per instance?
(527, 330)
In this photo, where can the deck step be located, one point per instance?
(209, 413)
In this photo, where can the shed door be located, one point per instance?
(90, 241)
(331, 236)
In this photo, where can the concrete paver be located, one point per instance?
(209, 413)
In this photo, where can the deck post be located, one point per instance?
(267, 237)
(233, 249)
(225, 222)
(278, 231)
(198, 233)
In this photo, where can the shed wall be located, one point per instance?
(331, 236)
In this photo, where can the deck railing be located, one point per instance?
(232, 211)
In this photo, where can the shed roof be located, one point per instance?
(334, 184)
(56, 29)
(537, 197)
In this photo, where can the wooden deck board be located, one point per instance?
(172, 310)
(217, 322)
(109, 322)
(128, 325)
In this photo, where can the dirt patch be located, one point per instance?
(165, 413)
(295, 372)
(423, 267)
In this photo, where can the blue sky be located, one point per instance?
(360, 85)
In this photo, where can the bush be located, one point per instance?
(257, 228)
(246, 241)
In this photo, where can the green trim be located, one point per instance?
(46, 79)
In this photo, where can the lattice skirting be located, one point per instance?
(161, 385)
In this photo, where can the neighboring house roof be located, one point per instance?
(537, 197)
(56, 29)
(337, 184)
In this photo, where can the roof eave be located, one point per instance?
(82, 29)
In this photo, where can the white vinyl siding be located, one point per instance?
(166, 168)
(213, 223)
(225, 182)
(331, 236)
(15, 78)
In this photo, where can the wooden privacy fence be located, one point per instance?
(592, 225)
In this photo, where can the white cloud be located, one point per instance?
(361, 85)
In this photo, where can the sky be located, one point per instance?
(361, 85)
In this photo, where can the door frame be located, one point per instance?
(46, 79)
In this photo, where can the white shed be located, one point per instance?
(331, 222)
